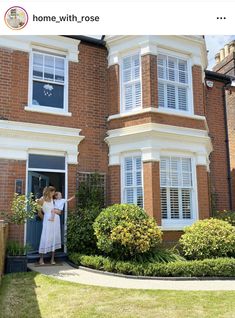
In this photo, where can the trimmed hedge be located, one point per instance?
(220, 267)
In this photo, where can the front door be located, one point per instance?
(36, 183)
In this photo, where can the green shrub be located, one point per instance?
(91, 192)
(208, 238)
(90, 201)
(228, 216)
(80, 232)
(14, 248)
(220, 267)
(124, 230)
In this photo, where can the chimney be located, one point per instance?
(225, 59)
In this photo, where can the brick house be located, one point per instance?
(131, 107)
(225, 68)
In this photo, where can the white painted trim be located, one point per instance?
(66, 204)
(47, 110)
(46, 170)
(18, 138)
(156, 110)
(57, 43)
(26, 191)
(152, 139)
(193, 46)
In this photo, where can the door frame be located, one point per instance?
(65, 172)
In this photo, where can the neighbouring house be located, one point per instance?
(134, 108)
(225, 67)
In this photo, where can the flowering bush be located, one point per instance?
(208, 238)
(125, 230)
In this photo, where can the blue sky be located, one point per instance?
(214, 43)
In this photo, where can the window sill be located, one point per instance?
(156, 110)
(47, 110)
(176, 226)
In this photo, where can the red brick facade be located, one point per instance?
(94, 95)
(219, 174)
(152, 190)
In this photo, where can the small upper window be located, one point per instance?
(48, 80)
(131, 82)
(173, 83)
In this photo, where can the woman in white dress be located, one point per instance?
(51, 236)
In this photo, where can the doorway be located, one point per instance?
(38, 178)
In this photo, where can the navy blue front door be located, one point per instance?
(36, 183)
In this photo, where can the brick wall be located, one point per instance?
(114, 185)
(218, 158)
(203, 192)
(114, 89)
(198, 91)
(149, 81)
(150, 117)
(230, 99)
(152, 204)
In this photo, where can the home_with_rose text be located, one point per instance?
(142, 111)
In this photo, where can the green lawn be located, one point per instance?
(34, 295)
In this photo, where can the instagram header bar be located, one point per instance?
(116, 18)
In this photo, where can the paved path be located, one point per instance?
(68, 273)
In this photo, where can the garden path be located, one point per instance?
(84, 276)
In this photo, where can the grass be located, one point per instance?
(32, 295)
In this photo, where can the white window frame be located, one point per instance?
(179, 224)
(47, 109)
(126, 155)
(121, 84)
(182, 56)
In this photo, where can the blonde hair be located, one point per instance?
(46, 193)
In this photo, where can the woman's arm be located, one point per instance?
(57, 211)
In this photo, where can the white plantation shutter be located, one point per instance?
(133, 189)
(164, 203)
(174, 203)
(173, 83)
(176, 188)
(131, 82)
(186, 203)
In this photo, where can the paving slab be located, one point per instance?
(82, 276)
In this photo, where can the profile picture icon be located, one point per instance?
(16, 18)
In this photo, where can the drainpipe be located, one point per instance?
(226, 86)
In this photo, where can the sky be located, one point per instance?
(214, 43)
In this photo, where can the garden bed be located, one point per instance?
(220, 267)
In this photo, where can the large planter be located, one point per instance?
(16, 264)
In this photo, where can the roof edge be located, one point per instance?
(87, 39)
(219, 77)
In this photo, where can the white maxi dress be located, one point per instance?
(51, 236)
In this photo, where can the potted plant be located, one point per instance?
(23, 207)
(16, 257)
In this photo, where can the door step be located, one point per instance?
(59, 256)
